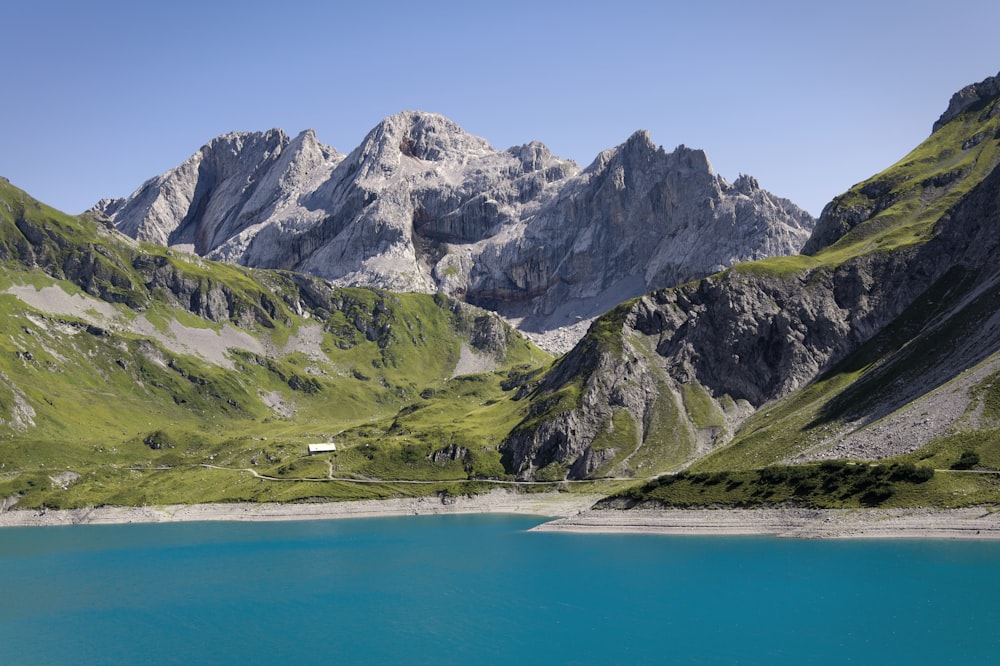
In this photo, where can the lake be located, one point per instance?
(481, 590)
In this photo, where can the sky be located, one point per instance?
(808, 97)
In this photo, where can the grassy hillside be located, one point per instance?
(132, 374)
(915, 386)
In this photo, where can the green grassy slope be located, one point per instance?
(941, 345)
(155, 377)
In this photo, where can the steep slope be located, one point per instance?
(233, 184)
(422, 205)
(131, 373)
(849, 352)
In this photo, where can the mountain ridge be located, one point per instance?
(421, 205)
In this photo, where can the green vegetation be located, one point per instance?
(159, 377)
(619, 439)
(908, 198)
(606, 332)
(778, 266)
(900, 206)
(702, 410)
(831, 484)
(965, 450)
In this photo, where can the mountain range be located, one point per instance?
(135, 368)
(423, 206)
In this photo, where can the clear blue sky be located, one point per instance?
(808, 97)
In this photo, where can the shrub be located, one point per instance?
(967, 460)
(877, 495)
(158, 440)
(804, 487)
(910, 473)
(716, 477)
(773, 475)
(833, 465)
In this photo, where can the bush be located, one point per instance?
(877, 495)
(967, 460)
(830, 466)
(716, 477)
(910, 473)
(773, 475)
(805, 487)
(158, 440)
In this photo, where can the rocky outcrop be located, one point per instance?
(847, 212)
(968, 97)
(91, 265)
(422, 205)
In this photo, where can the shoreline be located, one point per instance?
(570, 514)
(545, 505)
(980, 523)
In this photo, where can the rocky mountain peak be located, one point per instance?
(639, 143)
(224, 154)
(638, 148)
(534, 156)
(425, 136)
(746, 184)
(221, 189)
(967, 97)
(307, 142)
(694, 159)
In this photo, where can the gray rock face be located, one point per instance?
(637, 219)
(237, 182)
(421, 205)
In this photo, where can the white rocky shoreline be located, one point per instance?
(572, 513)
(982, 522)
(550, 504)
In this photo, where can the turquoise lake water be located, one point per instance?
(482, 590)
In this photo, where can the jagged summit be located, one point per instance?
(230, 184)
(638, 144)
(533, 155)
(427, 136)
(422, 205)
